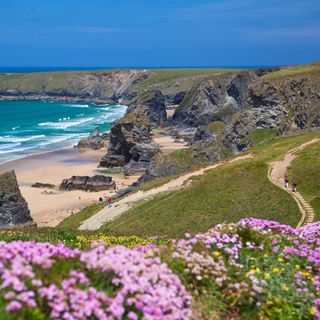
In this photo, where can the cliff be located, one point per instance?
(14, 211)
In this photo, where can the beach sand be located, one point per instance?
(50, 206)
(49, 209)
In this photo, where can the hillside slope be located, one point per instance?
(225, 194)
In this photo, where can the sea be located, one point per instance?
(33, 126)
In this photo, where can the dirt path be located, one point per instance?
(96, 221)
(277, 171)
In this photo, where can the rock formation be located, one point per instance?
(103, 86)
(41, 185)
(95, 140)
(131, 146)
(14, 211)
(90, 184)
(153, 104)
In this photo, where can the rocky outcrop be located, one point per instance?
(217, 98)
(90, 184)
(41, 185)
(104, 86)
(14, 211)
(284, 105)
(153, 104)
(175, 99)
(130, 147)
(95, 140)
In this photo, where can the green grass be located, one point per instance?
(306, 70)
(306, 169)
(183, 79)
(225, 194)
(261, 135)
(155, 183)
(74, 221)
(68, 80)
(216, 127)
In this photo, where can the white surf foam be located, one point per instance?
(77, 106)
(20, 139)
(64, 124)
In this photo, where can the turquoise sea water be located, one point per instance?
(28, 127)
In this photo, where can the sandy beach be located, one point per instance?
(50, 206)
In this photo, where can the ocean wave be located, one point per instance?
(77, 106)
(20, 139)
(61, 138)
(64, 124)
(9, 145)
(118, 108)
(13, 150)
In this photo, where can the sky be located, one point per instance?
(159, 33)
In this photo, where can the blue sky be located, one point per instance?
(137, 33)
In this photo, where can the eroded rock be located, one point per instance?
(14, 211)
(86, 183)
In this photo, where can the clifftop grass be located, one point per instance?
(225, 194)
(300, 71)
(169, 79)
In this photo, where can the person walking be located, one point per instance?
(109, 203)
(294, 185)
(105, 197)
(286, 181)
(100, 201)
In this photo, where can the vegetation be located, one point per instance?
(167, 78)
(309, 70)
(305, 168)
(253, 269)
(216, 127)
(74, 238)
(225, 194)
(74, 221)
(261, 135)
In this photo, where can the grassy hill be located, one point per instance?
(306, 169)
(168, 80)
(299, 71)
(225, 194)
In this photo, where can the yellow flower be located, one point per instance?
(216, 253)
(297, 266)
(267, 275)
(275, 270)
(313, 311)
(285, 287)
(280, 259)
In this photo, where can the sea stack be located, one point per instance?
(14, 211)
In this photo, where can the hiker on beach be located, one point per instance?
(104, 197)
(100, 201)
(294, 185)
(109, 203)
(286, 181)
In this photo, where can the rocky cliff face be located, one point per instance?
(130, 146)
(216, 98)
(154, 106)
(14, 211)
(284, 105)
(104, 86)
